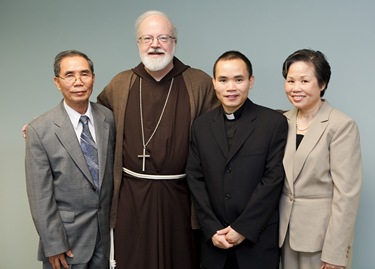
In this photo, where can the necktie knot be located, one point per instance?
(84, 120)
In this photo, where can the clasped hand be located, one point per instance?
(227, 238)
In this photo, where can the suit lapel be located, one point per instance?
(245, 127)
(67, 137)
(312, 136)
(102, 133)
(218, 131)
(290, 148)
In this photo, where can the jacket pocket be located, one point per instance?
(67, 216)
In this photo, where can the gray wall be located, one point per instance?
(33, 32)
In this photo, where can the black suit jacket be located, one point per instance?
(239, 186)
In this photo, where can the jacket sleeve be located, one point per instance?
(105, 98)
(201, 92)
(195, 178)
(346, 173)
(40, 191)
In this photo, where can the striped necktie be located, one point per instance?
(90, 151)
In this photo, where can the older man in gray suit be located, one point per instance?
(69, 187)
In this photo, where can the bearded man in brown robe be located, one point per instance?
(154, 105)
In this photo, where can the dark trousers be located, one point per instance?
(231, 262)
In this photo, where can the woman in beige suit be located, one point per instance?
(323, 171)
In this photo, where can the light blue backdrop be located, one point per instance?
(33, 32)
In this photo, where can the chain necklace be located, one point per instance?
(302, 129)
(144, 155)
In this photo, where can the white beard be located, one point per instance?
(157, 64)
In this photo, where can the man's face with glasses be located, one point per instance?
(75, 81)
(156, 43)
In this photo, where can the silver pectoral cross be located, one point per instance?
(144, 156)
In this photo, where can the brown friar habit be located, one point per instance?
(153, 220)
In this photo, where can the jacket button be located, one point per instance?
(227, 196)
(229, 169)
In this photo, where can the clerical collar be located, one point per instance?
(230, 116)
(235, 115)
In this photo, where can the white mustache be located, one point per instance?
(156, 50)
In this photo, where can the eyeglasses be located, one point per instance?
(72, 79)
(147, 39)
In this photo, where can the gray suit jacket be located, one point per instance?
(323, 179)
(66, 209)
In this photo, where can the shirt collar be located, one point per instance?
(75, 116)
(237, 114)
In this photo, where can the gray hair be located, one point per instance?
(69, 53)
(150, 13)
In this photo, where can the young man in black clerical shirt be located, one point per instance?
(235, 172)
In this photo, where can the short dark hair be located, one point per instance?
(69, 53)
(232, 55)
(317, 59)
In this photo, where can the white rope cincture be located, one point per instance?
(147, 176)
(112, 261)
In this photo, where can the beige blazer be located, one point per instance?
(321, 191)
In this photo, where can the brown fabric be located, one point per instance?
(155, 232)
(152, 219)
(202, 98)
(150, 210)
(172, 136)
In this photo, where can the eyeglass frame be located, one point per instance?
(85, 77)
(158, 38)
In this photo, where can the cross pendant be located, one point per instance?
(144, 156)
